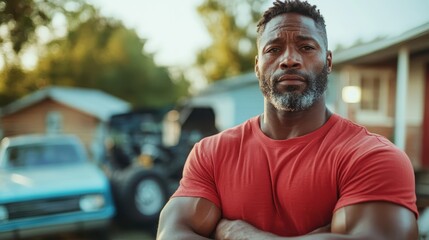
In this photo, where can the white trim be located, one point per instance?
(401, 98)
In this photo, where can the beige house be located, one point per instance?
(390, 81)
(83, 112)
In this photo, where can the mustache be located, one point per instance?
(296, 72)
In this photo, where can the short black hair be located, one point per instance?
(293, 6)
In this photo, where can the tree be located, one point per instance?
(102, 53)
(13, 83)
(95, 52)
(232, 27)
(20, 19)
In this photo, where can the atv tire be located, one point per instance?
(140, 195)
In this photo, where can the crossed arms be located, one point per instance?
(198, 218)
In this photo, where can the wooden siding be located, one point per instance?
(32, 120)
(413, 146)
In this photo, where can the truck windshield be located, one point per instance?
(42, 155)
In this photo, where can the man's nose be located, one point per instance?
(291, 59)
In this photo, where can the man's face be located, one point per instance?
(292, 63)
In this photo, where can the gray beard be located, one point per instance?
(295, 101)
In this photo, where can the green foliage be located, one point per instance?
(21, 18)
(101, 53)
(96, 52)
(232, 27)
(13, 83)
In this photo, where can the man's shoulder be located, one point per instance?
(351, 136)
(345, 128)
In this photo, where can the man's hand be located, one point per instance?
(238, 229)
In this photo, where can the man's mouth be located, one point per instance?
(289, 79)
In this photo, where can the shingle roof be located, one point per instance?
(231, 83)
(91, 101)
(416, 39)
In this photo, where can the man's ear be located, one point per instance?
(329, 61)
(256, 67)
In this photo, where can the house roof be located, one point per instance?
(415, 40)
(229, 84)
(91, 101)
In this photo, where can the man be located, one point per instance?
(298, 171)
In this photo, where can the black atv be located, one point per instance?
(146, 152)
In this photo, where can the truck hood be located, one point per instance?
(51, 181)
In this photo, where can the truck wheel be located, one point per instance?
(142, 196)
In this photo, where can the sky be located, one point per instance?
(174, 31)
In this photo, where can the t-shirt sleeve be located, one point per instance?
(198, 177)
(384, 174)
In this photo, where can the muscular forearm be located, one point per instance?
(241, 230)
(179, 235)
(317, 236)
(188, 218)
(179, 231)
(328, 236)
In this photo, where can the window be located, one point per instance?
(42, 155)
(370, 88)
(54, 122)
(374, 104)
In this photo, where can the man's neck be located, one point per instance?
(281, 125)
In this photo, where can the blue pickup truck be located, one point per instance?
(48, 185)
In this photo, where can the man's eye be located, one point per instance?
(273, 50)
(307, 48)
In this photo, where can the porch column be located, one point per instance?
(401, 98)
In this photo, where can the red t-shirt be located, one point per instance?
(291, 187)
